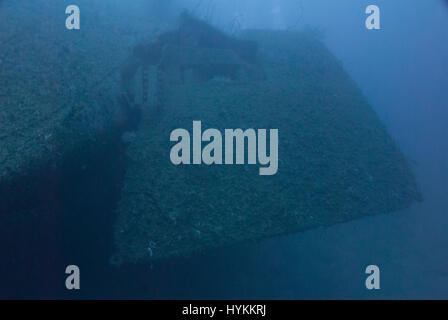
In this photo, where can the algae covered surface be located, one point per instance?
(58, 87)
(336, 160)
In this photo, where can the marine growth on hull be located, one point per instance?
(325, 156)
(336, 161)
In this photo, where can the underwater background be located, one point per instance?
(402, 69)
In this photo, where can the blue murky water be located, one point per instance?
(401, 68)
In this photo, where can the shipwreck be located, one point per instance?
(336, 159)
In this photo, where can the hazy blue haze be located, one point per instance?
(403, 71)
